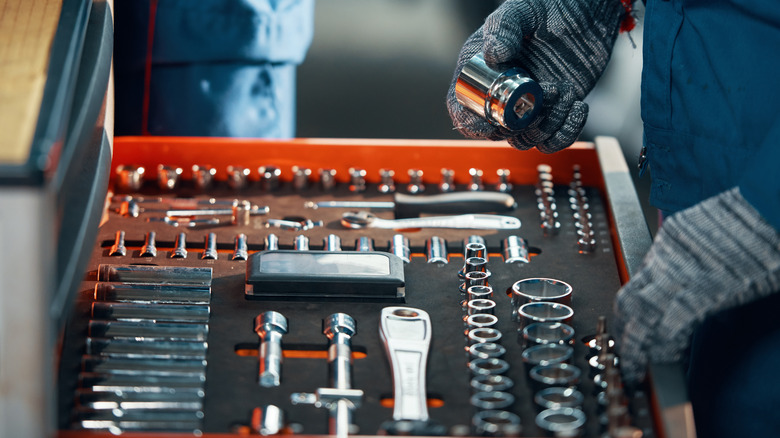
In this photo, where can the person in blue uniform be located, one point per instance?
(209, 67)
(706, 293)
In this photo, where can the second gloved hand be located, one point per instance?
(564, 45)
(713, 256)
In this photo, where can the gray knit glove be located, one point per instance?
(563, 45)
(711, 257)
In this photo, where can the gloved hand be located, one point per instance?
(710, 257)
(563, 45)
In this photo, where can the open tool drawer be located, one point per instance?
(153, 358)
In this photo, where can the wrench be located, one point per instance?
(406, 335)
(364, 219)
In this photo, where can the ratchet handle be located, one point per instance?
(406, 335)
(453, 203)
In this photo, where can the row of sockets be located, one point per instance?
(542, 309)
(144, 368)
(514, 249)
(578, 201)
(131, 178)
(490, 386)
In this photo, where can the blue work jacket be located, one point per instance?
(711, 101)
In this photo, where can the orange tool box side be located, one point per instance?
(370, 154)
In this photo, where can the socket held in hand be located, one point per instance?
(510, 99)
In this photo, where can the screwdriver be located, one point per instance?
(407, 206)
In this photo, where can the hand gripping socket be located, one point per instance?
(270, 326)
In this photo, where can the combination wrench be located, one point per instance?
(364, 219)
(406, 335)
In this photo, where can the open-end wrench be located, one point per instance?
(406, 335)
(364, 219)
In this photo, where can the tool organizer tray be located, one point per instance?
(222, 347)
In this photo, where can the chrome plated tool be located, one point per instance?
(406, 335)
(364, 219)
(510, 99)
(407, 206)
(270, 327)
(340, 399)
(118, 248)
(154, 274)
(188, 208)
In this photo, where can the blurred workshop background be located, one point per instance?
(381, 69)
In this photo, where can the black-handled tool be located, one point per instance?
(407, 206)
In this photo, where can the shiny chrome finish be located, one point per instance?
(416, 185)
(237, 177)
(327, 179)
(210, 247)
(386, 181)
(168, 176)
(436, 250)
(301, 243)
(510, 99)
(472, 249)
(130, 178)
(240, 251)
(300, 178)
(364, 244)
(241, 212)
(271, 242)
(515, 250)
(406, 334)
(150, 293)
(357, 178)
(492, 400)
(203, 176)
(490, 366)
(364, 219)
(150, 247)
(491, 382)
(154, 274)
(496, 423)
(118, 249)
(332, 243)
(340, 328)
(447, 183)
(270, 326)
(503, 184)
(476, 180)
(180, 247)
(267, 420)
(400, 247)
(269, 177)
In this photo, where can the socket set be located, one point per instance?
(319, 288)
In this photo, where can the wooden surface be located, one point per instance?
(27, 29)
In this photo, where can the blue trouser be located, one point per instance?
(734, 372)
